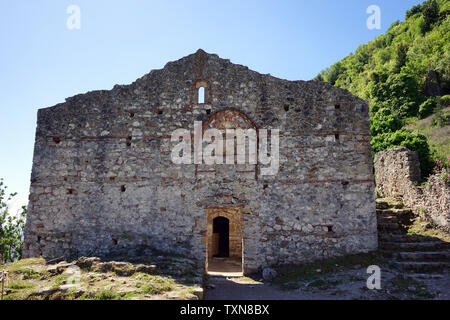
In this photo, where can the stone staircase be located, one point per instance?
(419, 256)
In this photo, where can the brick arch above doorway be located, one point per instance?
(229, 119)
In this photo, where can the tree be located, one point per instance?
(414, 10)
(332, 73)
(401, 52)
(430, 14)
(11, 228)
(400, 93)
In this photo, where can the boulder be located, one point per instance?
(67, 287)
(269, 274)
(46, 291)
(58, 268)
(144, 268)
(87, 263)
(173, 295)
(198, 292)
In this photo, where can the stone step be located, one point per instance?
(385, 204)
(387, 215)
(415, 246)
(381, 204)
(401, 237)
(396, 212)
(439, 256)
(424, 276)
(386, 233)
(388, 226)
(384, 211)
(387, 218)
(423, 267)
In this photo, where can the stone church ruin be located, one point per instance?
(103, 182)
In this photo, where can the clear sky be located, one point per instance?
(42, 61)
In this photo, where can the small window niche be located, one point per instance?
(201, 95)
(201, 92)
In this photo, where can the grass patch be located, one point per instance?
(156, 289)
(24, 264)
(158, 285)
(30, 274)
(142, 276)
(128, 295)
(58, 280)
(19, 285)
(438, 137)
(106, 295)
(425, 229)
(406, 283)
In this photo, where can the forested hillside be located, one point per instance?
(405, 76)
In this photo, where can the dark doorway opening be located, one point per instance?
(221, 231)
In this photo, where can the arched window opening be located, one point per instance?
(201, 95)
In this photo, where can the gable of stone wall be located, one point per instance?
(103, 183)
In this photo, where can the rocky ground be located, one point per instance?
(93, 279)
(341, 282)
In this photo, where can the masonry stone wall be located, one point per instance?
(103, 182)
(397, 173)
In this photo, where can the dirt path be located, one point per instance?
(343, 285)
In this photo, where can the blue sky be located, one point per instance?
(42, 62)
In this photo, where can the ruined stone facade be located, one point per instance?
(103, 182)
(397, 174)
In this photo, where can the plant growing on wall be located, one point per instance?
(442, 169)
(11, 228)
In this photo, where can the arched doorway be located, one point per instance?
(221, 237)
(224, 243)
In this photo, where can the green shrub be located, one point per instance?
(427, 107)
(440, 119)
(29, 274)
(401, 52)
(430, 14)
(11, 228)
(412, 141)
(106, 295)
(399, 92)
(444, 101)
(414, 10)
(384, 121)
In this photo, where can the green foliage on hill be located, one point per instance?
(402, 74)
(11, 228)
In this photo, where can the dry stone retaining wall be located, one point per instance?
(397, 173)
